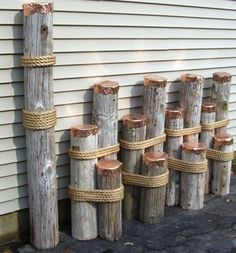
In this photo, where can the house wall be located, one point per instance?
(118, 40)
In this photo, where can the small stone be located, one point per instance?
(227, 200)
(129, 244)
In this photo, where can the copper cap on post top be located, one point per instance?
(187, 78)
(155, 80)
(154, 158)
(31, 8)
(108, 167)
(223, 139)
(106, 87)
(83, 131)
(174, 113)
(194, 147)
(135, 120)
(208, 107)
(222, 77)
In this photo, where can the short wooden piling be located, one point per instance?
(134, 130)
(83, 176)
(208, 116)
(220, 95)
(191, 101)
(154, 104)
(152, 200)
(222, 169)
(110, 218)
(174, 121)
(192, 184)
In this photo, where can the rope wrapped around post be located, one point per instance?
(220, 155)
(182, 132)
(38, 61)
(214, 125)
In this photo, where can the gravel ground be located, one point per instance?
(210, 230)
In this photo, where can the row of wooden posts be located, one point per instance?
(96, 186)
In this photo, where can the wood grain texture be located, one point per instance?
(191, 100)
(134, 130)
(83, 176)
(175, 121)
(152, 200)
(38, 86)
(192, 185)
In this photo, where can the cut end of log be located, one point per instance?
(187, 78)
(223, 139)
(106, 87)
(135, 120)
(154, 158)
(194, 147)
(174, 113)
(31, 8)
(222, 77)
(155, 80)
(83, 131)
(108, 167)
(208, 107)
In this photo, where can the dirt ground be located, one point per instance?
(210, 230)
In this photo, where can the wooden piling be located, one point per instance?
(174, 121)
(192, 184)
(105, 113)
(83, 176)
(152, 200)
(154, 104)
(39, 117)
(222, 170)
(191, 101)
(110, 218)
(220, 95)
(134, 130)
(208, 116)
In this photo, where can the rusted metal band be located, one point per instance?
(208, 107)
(106, 87)
(83, 131)
(222, 77)
(187, 78)
(155, 80)
(135, 120)
(31, 8)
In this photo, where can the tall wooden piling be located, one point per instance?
(208, 116)
(154, 104)
(39, 120)
(191, 101)
(134, 130)
(192, 184)
(83, 176)
(152, 200)
(222, 169)
(220, 95)
(174, 121)
(110, 220)
(105, 113)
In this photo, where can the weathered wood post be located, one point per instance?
(174, 121)
(192, 184)
(110, 218)
(208, 116)
(134, 130)
(105, 114)
(220, 95)
(152, 199)
(39, 118)
(154, 104)
(83, 176)
(222, 169)
(191, 100)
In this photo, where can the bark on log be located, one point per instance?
(220, 95)
(192, 185)
(110, 217)
(154, 104)
(191, 101)
(222, 170)
(208, 116)
(134, 130)
(38, 87)
(105, 114)
(152, 200)
(175, 121)
(83, 176)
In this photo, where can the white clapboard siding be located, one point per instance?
(108, 40)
